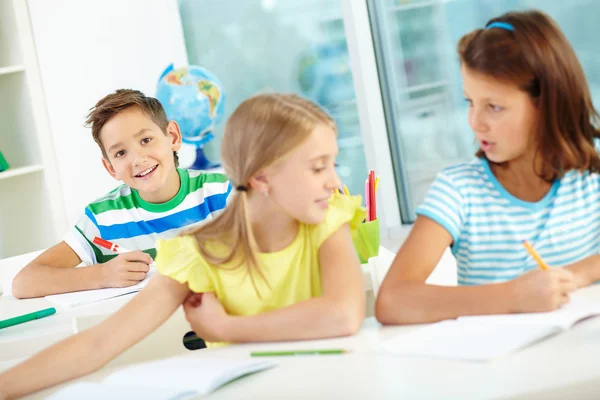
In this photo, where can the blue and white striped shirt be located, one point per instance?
(488, 224)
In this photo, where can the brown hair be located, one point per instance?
(262, 131)
(537, 58)
(122, 99)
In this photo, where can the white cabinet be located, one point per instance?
(31, 207)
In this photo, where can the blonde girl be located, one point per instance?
(277, 264)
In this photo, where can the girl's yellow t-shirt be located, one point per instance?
(293, 274)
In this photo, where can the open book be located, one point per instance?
(481, 338)
(172, 378)
(74, 299)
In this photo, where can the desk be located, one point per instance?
(23, 340)
(564, 366)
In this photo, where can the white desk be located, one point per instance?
(562, 367)
(23, 340)
(26, 339)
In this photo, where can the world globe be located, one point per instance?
(325, 76)
(193, 97)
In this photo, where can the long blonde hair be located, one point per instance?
(260, 132)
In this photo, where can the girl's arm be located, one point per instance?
(404, 298)
(586, 271)
(339, 311)
(88, 351)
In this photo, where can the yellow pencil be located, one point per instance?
(376, 184)
(336, 191)
(346, 191)
(535, 255)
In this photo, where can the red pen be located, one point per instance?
(372, 200)
(110, 245)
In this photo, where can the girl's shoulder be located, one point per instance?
(466, 172)
(464, 178)
(180, 259)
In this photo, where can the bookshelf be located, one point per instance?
(32, 216)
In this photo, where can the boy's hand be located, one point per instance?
(206, 315)
(126, 269)
(539, 290)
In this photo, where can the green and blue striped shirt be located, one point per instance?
(125, 219)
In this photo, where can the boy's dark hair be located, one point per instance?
(122, 99)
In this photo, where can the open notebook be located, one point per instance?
(482, 338)
(172, 378)
(83, 297)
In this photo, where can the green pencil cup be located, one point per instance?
(366, 240)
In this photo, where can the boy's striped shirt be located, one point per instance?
(488, 225)
(124, 218)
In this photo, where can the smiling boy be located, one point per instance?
(156, 200)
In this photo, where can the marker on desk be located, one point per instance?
(110, 245)
(298, 353)
(535, 255)
(27, 317)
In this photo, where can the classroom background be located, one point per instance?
(386, 70)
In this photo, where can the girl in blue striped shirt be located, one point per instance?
(535, 178)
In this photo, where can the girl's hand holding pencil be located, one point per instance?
(543, 289)
(540, 291)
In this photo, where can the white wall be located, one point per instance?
(85, 50)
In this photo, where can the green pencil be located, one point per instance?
(298, 353)
(27, 317)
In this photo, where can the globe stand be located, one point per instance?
(201, 162)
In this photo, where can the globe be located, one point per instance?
(194, 98)
(325, 76)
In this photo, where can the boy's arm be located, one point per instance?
(339, 311)
(53, 272)
(86, 352)
(404, 298)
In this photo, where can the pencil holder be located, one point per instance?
(366, 240)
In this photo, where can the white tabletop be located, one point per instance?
(563, 366)
(25, 339)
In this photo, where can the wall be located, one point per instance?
(85, 50)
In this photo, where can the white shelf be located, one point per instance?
(12, 172)
(31, 209)
(11, 69)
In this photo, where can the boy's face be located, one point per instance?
(141, 155)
